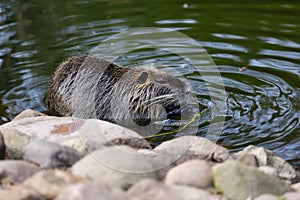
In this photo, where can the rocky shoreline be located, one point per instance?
(64, 158)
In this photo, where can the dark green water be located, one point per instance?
(263, 101)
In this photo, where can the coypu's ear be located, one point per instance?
(143, 77)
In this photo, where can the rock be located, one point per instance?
(50, 155)
(18, 133)
(267, 158)
(13, 171)
(49, 182)
(268, 170)
(119, 166)
(248, 159)
(196, 173)
(191, 193)
(2, 147)
(267, 197)
(28, 113)
(296, 186)
(238, 181)
(150, 189)
(82, 145)
(91, 191)
(179, 150)
(194, 147)
(292, 196)
(20, 192)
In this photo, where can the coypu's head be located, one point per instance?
(149, 95)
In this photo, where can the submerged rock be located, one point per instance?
(238, 181)
(50, 155)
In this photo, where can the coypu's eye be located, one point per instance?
(143, 77)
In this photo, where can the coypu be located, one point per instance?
(92, 87)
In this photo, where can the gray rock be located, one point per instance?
(267, 197)
(248, 159)
(268, 170)
(267, 158)
(48, 183)
(150, 189)
(20, 192)
(13, 171)
(2, 147)
(179, 150)
(82, 145)
(292, 196)
(28, 113)
(50, 155)
(296, 186)
(238, 181)
(196, 173)
(20, 132)
(119, 166)
(191, 193)
(91, 191)
(189, 147)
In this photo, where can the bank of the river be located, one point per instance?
(45, 157)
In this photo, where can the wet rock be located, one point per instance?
(50, 155)
(2, 147)
(91, 191)
(20, 192)
(267, 197)
(196, 173)
(18, 133)
(189, 147)
(150, 189)
(238, 181)
(48, 183)
(265, 157)
(28, 113)
(119, 166)
(13, 171)
(292, 196)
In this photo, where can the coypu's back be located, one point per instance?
(91, 87)
(66, 79)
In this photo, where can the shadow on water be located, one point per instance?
(255, 46)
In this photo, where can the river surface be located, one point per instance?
(255, 45)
